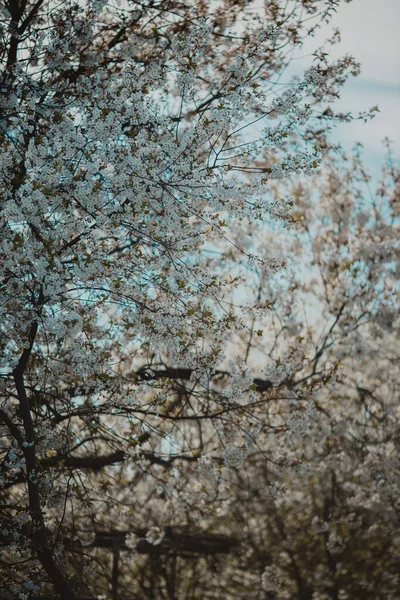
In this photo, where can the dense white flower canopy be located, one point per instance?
(198, 306)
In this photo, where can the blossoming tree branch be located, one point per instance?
(198, 309)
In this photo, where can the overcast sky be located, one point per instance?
(370, 32)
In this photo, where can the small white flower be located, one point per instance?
(269, 579)
(318, 525)
(155, 536)
(233, 456)
(86, 537)
(131, 541)
(205, 466)
(335, 543)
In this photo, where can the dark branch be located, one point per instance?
(174, 541)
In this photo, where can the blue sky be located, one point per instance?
(370, 32)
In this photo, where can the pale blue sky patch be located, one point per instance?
(369, 32)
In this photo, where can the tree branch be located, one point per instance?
(40, 534)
